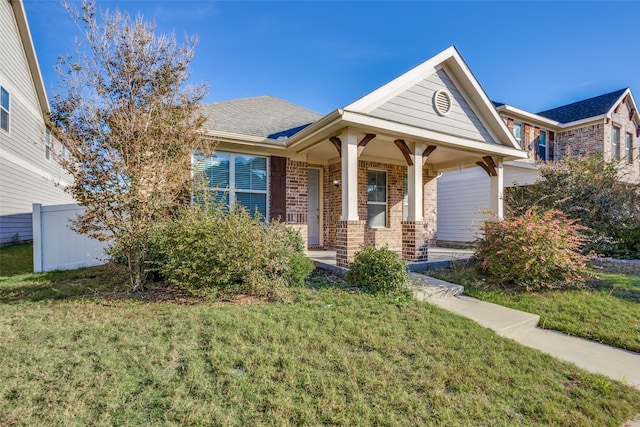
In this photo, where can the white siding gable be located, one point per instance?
(414, 106)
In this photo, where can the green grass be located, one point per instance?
(78, 349)
(607, 309)
(16, 259)
(330, 356)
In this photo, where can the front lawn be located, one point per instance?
(607, 309)
(331, 356)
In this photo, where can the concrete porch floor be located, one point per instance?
(438, 258)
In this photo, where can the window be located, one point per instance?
(236, 179)
(542, 145)
(47, 144)
(628, 149)
(615, 143)
(5, 106)
(517, 132)
(63, 151)
(376, 198)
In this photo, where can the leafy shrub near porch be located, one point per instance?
(379, 271)
(228, 253)
(532, 251)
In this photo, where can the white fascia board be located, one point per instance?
(582, 122)
(236, 138)
(533, 118)
(615, 104)
(479, 97)
(297, 141)
(374, 99)
(522, 165)
(355, 119)
(30, 53)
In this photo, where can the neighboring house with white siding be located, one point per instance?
(29, 172)
(606, 125)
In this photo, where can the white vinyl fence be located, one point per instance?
(56, 246)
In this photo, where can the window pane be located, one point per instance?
(213, 198)
(252, 201)
(215, 168)
(4, 99)
(377, 215)
(517, 130)
(615, 143)
(4, 120)
(251, 172)
(377, 186)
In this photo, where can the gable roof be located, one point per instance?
(30, 54)
(584, 109)
(261, 116)
(450, 60)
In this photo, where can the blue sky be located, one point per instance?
(323, 55)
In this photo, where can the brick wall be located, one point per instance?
(390, 236)
(588, 140)
(620, 119)
(378, 237)
(296, 193)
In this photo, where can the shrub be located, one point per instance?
(209, 251)
(379, 271)
(589, 190)
(532, 251)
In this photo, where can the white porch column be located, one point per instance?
(349, 176)
(497, 189)
(414, 181)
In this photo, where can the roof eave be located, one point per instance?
(527, 115)
(32, 59)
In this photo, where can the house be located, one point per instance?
(28, 171)
(366, 173)
(607, 125)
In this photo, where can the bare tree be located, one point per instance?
(130, 123)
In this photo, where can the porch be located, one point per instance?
(438, 258)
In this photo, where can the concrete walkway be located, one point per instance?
(522, 327)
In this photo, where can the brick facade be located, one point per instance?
(415, 240)
(584, 141)
(349, 240)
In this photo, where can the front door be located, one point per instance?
(313, 207)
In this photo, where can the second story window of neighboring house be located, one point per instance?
(542, 145)
(628, 149)
(5, 106)
(517, 132)
(615, 143)
(47, 144)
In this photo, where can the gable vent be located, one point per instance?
(442, 102)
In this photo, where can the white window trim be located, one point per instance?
(8, 130)
(615, 143)
(518, 138)
(546, 143)
(231, 188)
(386, 198)
(47, 145)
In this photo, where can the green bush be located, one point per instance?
(209, 251)
(379, 271)
(532, 251)
(591, 191)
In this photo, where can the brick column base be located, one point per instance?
(415, 241)
(349, 239)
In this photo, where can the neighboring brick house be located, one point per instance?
(28, 170)
(607, 125)
(366, 173)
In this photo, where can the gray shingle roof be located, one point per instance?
(583, 109)
(261, 116)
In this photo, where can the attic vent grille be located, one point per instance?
(442, 102)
